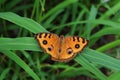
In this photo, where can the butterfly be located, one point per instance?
(61, 49)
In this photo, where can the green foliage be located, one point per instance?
(94, 20)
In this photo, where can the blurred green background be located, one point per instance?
(21, 58)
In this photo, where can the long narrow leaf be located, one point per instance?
(21, 63)
(102, 59)
(26, 23)
(58, 7)
(24, 43)
(90, 67)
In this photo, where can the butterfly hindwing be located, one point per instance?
(70, 46)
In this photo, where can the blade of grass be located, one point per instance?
(63, 20)
(115, 76)
(102, 59)
(77, 72)
(51, 19)
(73, 17)
(111, 11)
(102, 32)
(92, 16)
(4, 73)
(106, 31)
(58, 7)
(90, 67)
(94, 21)
(11, 4)
(21, 63)
(108, 46)
(24, 43)
(23, 22)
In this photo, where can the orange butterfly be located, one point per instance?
(61, 48)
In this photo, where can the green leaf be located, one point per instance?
(90, 67)
(23, 22)
(111, 11)
(101, 59)
(21, 63)
(106, 31)
(114, 76)
(4, 73)
(24, 43)
(109, 46)
(58, 7)
(97, 58)
(77, 72)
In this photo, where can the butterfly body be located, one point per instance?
(61, 48)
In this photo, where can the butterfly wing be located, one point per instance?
(70, 46)
(49, 43)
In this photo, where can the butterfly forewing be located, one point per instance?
(49, 42)
(71, 46)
